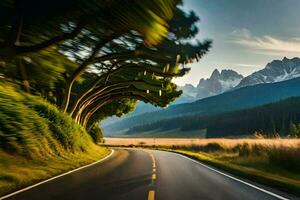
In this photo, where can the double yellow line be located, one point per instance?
(151, 194)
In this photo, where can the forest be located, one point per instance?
(270, 121)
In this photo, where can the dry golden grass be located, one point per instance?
(227, 143)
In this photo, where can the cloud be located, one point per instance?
(266, 44)
(238, 64)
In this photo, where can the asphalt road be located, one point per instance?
(149, 175)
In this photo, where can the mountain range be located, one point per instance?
(219, 82)
(225, 91)
(241, 98)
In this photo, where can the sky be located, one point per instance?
(246, 34)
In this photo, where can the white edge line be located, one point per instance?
(55, 177)
(236, 179)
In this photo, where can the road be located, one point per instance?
(148, 175)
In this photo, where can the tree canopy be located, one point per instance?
(97, 58)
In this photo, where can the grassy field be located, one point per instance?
(37, 141)
(185, 142)
(274, 162)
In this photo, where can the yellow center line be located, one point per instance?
(151, 195)
(153, 176)
(153, 165)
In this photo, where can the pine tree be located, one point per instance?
(294, 130)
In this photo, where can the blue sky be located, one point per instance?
(246, 34)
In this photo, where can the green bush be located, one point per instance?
(64, 129)
(96, 133)
(33, 127)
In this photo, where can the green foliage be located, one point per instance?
(95, 132)
(32, 127)
(44, 72)
(42, 22)
(294, 130)
(64, 129)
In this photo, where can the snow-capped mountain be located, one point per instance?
(275, 71)
(218, 82)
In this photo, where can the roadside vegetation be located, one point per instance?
(273, 162)
(37, 141)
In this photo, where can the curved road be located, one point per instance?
(148, 175)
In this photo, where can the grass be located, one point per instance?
(273, 162)
(37, 141)
(17, 171)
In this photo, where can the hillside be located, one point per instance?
(37, 141)
(241, 98)
(270, 119)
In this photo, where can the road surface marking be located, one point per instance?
(236, 179)
(151, 195)
(153, 176)
(55, 177)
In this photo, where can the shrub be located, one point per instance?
(33, 127)
(96, 133)
(64, 129)
(213, 147)
(243, 149)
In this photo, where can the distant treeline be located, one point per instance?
(271, 119)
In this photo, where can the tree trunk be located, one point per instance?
(67, 95)
(23, 75)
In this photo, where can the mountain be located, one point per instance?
(270, 119)
(240, 98)
(217, 83)
(189, 94)
(275, 71)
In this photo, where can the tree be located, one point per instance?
(294, 130)
(35, 26)
(128, 67)
(32, 25)
(103, 56)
